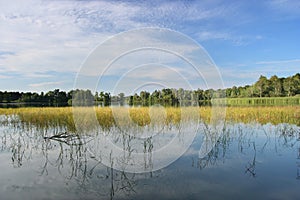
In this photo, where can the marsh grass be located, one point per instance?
(263, 115)
(41, 117)
(50, 117)
(259, 101)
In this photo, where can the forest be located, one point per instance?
(262, 88)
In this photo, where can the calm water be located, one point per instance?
(249, 161)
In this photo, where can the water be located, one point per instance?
(249, 161)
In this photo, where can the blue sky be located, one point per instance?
(44, 43)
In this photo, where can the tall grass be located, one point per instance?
(42, 117)
(107, 117)
(264, 101)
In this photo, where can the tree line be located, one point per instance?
(263, 87)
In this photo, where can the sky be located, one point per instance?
(45, 44)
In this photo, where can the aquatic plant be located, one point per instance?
(62, 117)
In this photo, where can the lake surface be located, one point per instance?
(249, 161)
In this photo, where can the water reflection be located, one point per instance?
(244, 138)
(74, 163)
(70, 162)
(298, 161)
(251, 166)
(33, 163)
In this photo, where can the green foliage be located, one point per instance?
(264, 87)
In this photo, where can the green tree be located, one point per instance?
(83, 98)
(296, 81)
(144, 97)
(130, 100)
(276, 86)
(234, 92)
(289, 85)
(155, 97)
(121, 98)
(107, 99)
(262, 86)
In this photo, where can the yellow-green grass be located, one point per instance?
(263, 115)
(107, 117)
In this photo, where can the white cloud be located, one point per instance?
(238, 40)
(4, 76)
(38, 75)
(248, 73)
(138, 47)
(209, 35)
(286, 7)
(44, 36)
(140, 66)
(278, 62)
(58, 35)
(43, 84)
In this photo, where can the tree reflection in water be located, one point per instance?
(76, 164)
(298, 162)
(246, 136)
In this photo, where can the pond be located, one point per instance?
(248, 161)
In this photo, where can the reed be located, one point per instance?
(264, 101)
(107, 117)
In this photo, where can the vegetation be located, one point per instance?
(257, 101)
(273, 87)
(62, 118)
